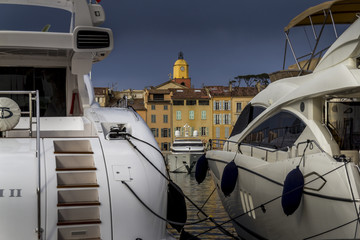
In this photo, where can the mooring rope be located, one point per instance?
(157, 215)
(223, 230)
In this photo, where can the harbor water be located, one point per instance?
(199, 193)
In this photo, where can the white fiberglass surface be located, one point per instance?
(33, 18)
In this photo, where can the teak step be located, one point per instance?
(76, 204)
(78, 222)
(89, 185)
(76, 162)
(76, 169)
(72, 152)
(89, 232)
(72, 147)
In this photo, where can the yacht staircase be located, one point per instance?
(78, 205)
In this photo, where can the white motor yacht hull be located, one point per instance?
(182, 162)
(327, 206)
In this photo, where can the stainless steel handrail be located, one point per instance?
(222, 143)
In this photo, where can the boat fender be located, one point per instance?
(9, 114)
(187, 236)
(176, 208)
(201, 169)
(292, 191)
(229, 178)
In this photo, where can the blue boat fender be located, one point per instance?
(229, 178)
(176, 208)
(201, 169)
(292, 191)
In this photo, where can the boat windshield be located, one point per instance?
(34, 18)
(247, 115)
(49, 81)
(342, 120)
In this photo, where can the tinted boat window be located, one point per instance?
(247, 115)
(49, 81)
(279, 131)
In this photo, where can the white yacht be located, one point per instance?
(70, 169)
(185, 151)
(290, 169)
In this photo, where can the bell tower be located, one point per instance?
(181, 71)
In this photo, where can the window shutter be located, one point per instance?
(214, 105)
(220, 105)
(169, 132)
(229, 104)
(229, 118)
(207, 131)
(214, 118)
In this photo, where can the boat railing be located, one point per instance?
(33, 97)
(221, 144)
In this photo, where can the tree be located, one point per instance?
(251, 80)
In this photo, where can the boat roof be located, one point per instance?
(342, 11)
(61, 4)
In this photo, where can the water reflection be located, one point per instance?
(199, 193)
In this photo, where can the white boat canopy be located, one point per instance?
(62, 4)
(341, 12)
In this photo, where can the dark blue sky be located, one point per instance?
(220, 39)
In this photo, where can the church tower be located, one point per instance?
(181, 71)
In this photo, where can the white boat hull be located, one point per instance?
(183, 162)
(255, 204)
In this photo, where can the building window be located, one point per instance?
(227, 105)
(178, 102)
(191, 115)
(165, 146)
(165, 118)
(227, 118)
(227, 132)
(155, 132)
(158, 97)
(217, 132)
(153, 118)
(217, 118)
(165, 107)
(203, 115)
(190, 102)
(165, 132)
(238, 107)
(152, 107)
(204, 102)
(217, 105)
(178, 115)
(204, 131)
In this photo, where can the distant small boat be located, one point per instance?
(185, 151)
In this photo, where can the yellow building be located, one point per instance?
(159, 112)
(227, 104)
(240, 97)
(191, 112)
(102, 96)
